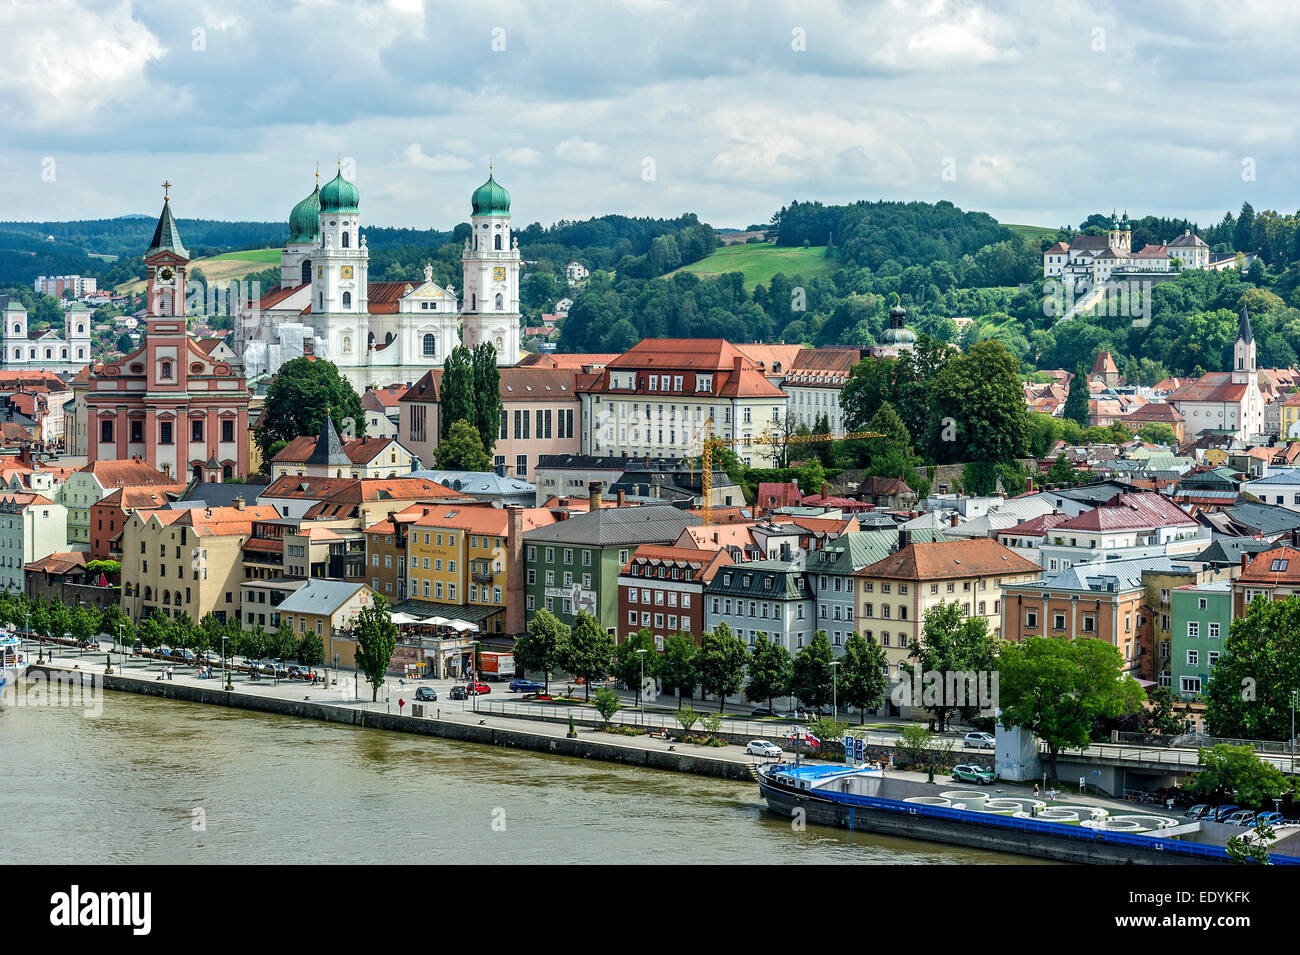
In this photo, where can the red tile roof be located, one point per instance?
(939, 560)
(1215, 386)
(1261, 570)
(1138, 511)
(133, 472)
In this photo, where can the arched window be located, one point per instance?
(347, 242)
(166, 369)
(306, 271)
(81, 329)
(497, 243)
(63, 353)
(18, 352)
(430, 345)
(198, 472)
(388, 339)
(501, 302)
(148, 593)
(17, 329)
(167, 597)
(370, 340)
(49, 353)
(347, 299)
(81, 353)
(177, 599)
(227, 472)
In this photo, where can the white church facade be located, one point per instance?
(381, 333)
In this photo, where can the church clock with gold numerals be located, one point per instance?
(346, 272)
(499, 273)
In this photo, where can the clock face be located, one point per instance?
(347, 271)
(499, 274)
(167, 273)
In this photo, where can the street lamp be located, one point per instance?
(835, 695)
(1293, 696)
(640, 700)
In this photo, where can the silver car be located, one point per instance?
(981, 741)
(761, 747)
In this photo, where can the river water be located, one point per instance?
(159, 781)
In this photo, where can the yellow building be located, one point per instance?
(187, 561)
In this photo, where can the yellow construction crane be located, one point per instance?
(766, 438)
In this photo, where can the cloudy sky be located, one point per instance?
(1037, 112)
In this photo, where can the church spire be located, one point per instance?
(1243, 328)
(166, 237)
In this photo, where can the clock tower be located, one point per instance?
(167, 261)
(490, 263)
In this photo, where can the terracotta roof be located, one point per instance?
(1155, 411)
(1153, 252)
(60, 563)
(1035, 526)
(482, 519)
(133, 472)
(386, 397)
(1215, 386)
(773, 359)
(358, 450)
(520, 383)
(24, 499)
(777, 494)
(1130, 511)
(383, 297)
(558, 360)
(1057, 249)
(823, 366)
(976, 557)
(703, 563)
(1279, 565)
(1104, 364)
(226, 521)
(137, 498)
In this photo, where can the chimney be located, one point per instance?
(593, 495)
(564, 502)
(825, 490)
(515, 622)
(1245, 559)
(622, 498)
(1295, 537)
(904, 537)
(955, 520)
(736, 364)
(239, 503)
(1029, 485)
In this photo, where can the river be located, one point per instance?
(159, 781)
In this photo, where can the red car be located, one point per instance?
(477, 689)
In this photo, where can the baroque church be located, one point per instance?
(381, 333)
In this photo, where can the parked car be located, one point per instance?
(458, 693)
(426, 694)
(1222, 812)
(478, 689)
(137, 647)
(763, 712)
(164, 652)
(761, 747)
(527, 686)
(1242, 817)
(981, 741)
(1199, 811)
(185, 656)
(970, 773)
(1267, 819)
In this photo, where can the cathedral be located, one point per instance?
(381, 333)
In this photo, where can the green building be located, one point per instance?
(1199, 625)
(574, 565)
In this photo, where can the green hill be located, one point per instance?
(1035, 232)
(760, 262)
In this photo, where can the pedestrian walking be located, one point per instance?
(1035, 790)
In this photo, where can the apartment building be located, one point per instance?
(92, 483)
(774, 597)
(661, 589)
(31, 527)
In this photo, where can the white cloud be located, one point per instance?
(518, 156)
(414, 155)
(578, 150)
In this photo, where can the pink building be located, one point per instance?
(169, 401)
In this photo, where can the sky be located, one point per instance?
(1037, 112)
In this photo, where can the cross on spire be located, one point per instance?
(318, 172)
(166, 190)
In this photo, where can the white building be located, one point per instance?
(574, 273)
(1229, 401)
(1280, 487)
(1092, 259)
(47, 350)
(31, 527)
(56, 285)
(381, 333)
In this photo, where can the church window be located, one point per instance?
(106, 430)
(49, 353)
(430, 345)
(166, 369)
(388, 339)
(165, 432)
(347, 243)
(227, 472)
(81, 353)
(81, 329)
(196, 430)
(501, 302)
(498, 243)
(227, 431)
(306, 271)
(473, 302)
(347, 299)
(63, 353)
(137, 431)
(198, 472)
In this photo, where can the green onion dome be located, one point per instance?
(304, 220)
(339, 195)
(490, 199)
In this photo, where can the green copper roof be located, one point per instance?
(166, 237)
(304, 220)
(339, 195)
(490, 199)
(897, 333)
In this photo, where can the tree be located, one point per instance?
(977, 407)
(721, 663)
(284, 642)
(376, 642)
(83, 623)
(1249, 693)
(253, 644)
(298, 399)
(1235, 774)
(862, 677)
(810, 678)
(586, 654)
(687, 717)
(124, 343)
(678, 667)
(1158, 432)
(1076, 402)
(1055, 688)
(541, 647)
(915, 741)
(462, 450)
(890, 455)
(457, 391)
(1062, 471)
(952, 643)
(311, 650)
(770, 669)
(629, 665)
(153, 630)
(487, 396)
(607, 703)
(1252, 847)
